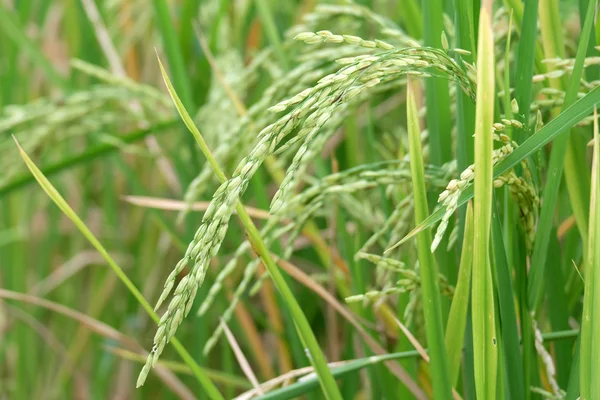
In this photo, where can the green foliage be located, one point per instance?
(300, 210)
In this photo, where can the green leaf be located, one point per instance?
(176, 61)
(559, 125)
(590, 323)
(526, 58)
(200, 375)
(436, 89)
(484, 330)
(555, 168)
(88, 155)
(317, 358)
(457, 318)
(442, 387)
(310, 383)
(509, 323)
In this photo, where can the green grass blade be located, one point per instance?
(189, 123)
(465, 115)
(307, 336)
(457, 318)
(574, 373)
(559, 125)
(172, 48)
(594, 263)
(575, 168)
(266, 16)
(409, 12)
(438, 118)
(189, 11)
(508, 318)
(88, 155)
(484, 330)
(557, 301)
(224, 378)
(593, 71)
(590, 325)
(442, 387)
(206, 383)
(465, 108)
(306, 385)
(526, 59)
(550, 195)
(436, 89)
(173, 51)
(10, 26)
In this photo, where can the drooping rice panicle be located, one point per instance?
(519, 187)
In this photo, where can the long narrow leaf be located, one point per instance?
(457, 318)
(564, 121)
(442, 387)
(330, 389)
(436, 89)
(526, 58)
(176, 61)
(590, 325)
(555, 168)
(308, 384)
(509, 327)
(206, 383)
(86, 156)
(484, 330)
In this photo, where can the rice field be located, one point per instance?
(261, 199)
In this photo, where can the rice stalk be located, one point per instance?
(457, 316)
(200, 375)
(203, 248)
(590, 326)
(428, 269)
(484, 330)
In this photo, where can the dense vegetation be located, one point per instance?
(372, 199)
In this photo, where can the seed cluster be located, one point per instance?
(102, 108)
(521, 189)
(336, 16)
(307, 119)
(410, 279)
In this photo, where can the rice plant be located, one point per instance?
(321, 199)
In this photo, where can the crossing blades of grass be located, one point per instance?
(206, 383)
(230, 380)
(88, 155)
(550, 195)
(590, 325)
(442, 387)
(310, 383)
(484, 330)
(564, 121)
(317, 358)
